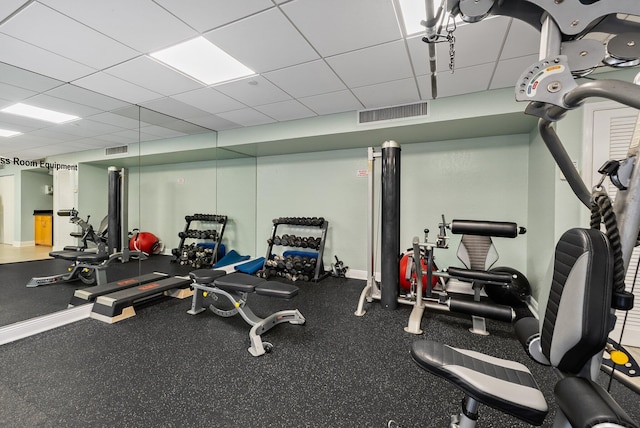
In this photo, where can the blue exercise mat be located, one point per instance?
(251, 267)
(230, 258)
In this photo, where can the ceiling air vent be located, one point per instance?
(393, 113)
(109, 151)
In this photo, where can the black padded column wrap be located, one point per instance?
(390, 249)
(114, 225)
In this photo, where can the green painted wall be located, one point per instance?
(32, 198)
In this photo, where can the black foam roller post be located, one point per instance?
(390, 250)
(114, 225)
(500, 229)
(482, 309)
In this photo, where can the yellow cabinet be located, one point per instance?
(43, 229)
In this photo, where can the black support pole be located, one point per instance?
(114, 226)
(390, 250)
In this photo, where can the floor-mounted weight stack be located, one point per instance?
(302, 247)
(205, 249)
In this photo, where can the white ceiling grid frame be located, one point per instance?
(521, 40)
(66, 37)
(333, 102)
(206, 15)
(303, 80)
(150, 74)
(86, 97)
(140, 24)
(26, 79)
(263, 42)
(253, 91)
(212, 122)
(13, 94)
(247, 117)
(209, 100)
(376, 64)
(286, 110)
(388, 94)
(172, 107)
(337, 26)
(463, 81)
(38, 60)
(118, 88)
(63, 106)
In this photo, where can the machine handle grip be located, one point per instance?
(67, 213)
(500, 229)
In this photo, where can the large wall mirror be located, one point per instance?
(172, 170)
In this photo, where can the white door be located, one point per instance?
(7, 208)
(611, 134)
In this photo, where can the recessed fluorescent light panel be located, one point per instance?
(203, 61)
(39, 113)
(7, 133)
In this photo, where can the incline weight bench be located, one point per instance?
(236, 287)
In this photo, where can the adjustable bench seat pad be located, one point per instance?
(66, 255)
(206, 276)
(92, 257)
(502, 384)
(237, 281)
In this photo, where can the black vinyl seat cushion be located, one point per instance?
(206, 276)
(277, 289)
(502, 384)
(238, 281)
(66, 255)
(92, 258)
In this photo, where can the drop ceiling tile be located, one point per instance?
(150, 74)
(63, 106)
(253, 91)
(40, 61)
(87, 128)
(14, 93)
(111, 118)
(209, 100)
(7, 7)
(311, 78)
(139, 24)
(66, 37)
(160, 132)
(508, 71)
(119, 139)
(382, 63)
(338, 26)
(213, 122)
(286, 110)
(117, 88)
(522, 40)
(468, 52)
(26, 122)
(205, 15)
(171, 107)
(274, 42)
(54, 133)
(85, 97)
(334, 102)
(388, 94)
(26, 79)
(463, 81)
(246, 117)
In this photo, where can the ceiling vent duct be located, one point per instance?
(110, 151)
(393, 113)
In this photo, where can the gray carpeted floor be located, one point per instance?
(165, 368)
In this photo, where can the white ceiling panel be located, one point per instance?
(334, 102)
(160, 132)
(40, 61)
(150, 74)
(463, 81)
(63, 106)
(338, 26)
(26, 79)
(205, 15)
(382, 63)
(286, 110)
(214, 122)
(7, 7)
(172, 107)
(85, 97)
(117, 88)
(66, 37)
(24, 122)
(275, 43)
(522, 39)
(388, 94)
(139, 24)
(54, 134)
(118, 139)
(311, 78)
(116, 120)
(209, 100)
(508, 71)
(246, 117)
(254, 91)
(14, 93)
(87, 128)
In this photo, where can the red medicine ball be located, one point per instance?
(146, 242)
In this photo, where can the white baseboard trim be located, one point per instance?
(33, 326)
(24, 243)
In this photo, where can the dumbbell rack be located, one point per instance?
(183, 254)
(311, 226)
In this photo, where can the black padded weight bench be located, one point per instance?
(236, 287)
(87, 266)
